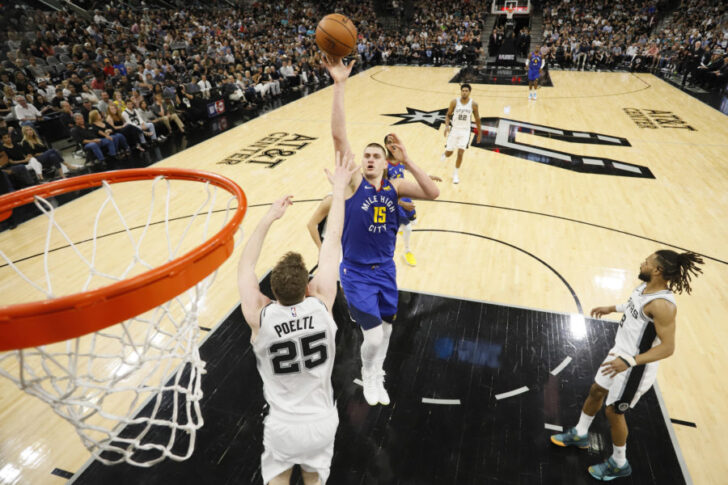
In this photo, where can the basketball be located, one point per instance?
(336, 35)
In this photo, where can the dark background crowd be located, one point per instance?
(130, 74)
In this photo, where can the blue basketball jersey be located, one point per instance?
(534, 65)
(395, 171)
(370, 224)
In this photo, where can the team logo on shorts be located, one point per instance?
(499, 135)
(623, 406)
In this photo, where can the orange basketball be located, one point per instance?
(336, 35)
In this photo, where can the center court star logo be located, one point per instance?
(499, 135)
(430, 118)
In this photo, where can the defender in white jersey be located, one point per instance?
(645, 336)
(294, 343)
(460, 112)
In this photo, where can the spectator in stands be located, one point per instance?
(205, 86)
(122, 129)
(132, 117)
(15, 175)
(50, 159)
(26, 113)
(91, 139)
(162, 111)
(18, 157)
(103, 104)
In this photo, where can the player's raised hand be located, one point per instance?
(344, 168)
(338, 71)
(278, 208)
(600, 311)
(398, 149)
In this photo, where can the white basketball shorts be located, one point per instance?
(307, 443)
(457, 138)
(626, 388)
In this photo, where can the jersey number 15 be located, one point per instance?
(380, 214)
(285, 355)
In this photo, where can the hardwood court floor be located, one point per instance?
(450, 368)
(515, 231)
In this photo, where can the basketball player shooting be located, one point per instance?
(367, 271)
(460, 113)
(646, 335)
(294, 343)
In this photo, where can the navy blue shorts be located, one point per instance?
(370, 291)
(533, 76)
(405, 216)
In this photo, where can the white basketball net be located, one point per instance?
(132, 390)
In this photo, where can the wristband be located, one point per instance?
(627, 359)
(621, 307)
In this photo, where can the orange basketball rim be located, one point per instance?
(48, 321)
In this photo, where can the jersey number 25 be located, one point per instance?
(285, 355)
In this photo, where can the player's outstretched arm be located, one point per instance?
(339, 73)
(319, 215)
(600, 311)
(251, 299)
(323, 285)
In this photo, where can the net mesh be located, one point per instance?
(132, 391)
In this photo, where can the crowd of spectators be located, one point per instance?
(596, 34)
(131, 75)
(606, 34)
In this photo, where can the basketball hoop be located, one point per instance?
(509, 12)
(97, 355)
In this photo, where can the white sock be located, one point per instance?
(455, 173)
(619, 455)
(369, 347)
(381, 354)
(585, 421)
(406, 233)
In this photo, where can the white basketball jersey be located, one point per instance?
(295, 350)
(461, 115)
(637, 332)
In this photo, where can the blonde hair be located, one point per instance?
(30, 136)
(93, 115)
(118, 113)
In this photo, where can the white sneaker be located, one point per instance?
(371, 388)
(534, 96)
(383, 394)
(455, 179)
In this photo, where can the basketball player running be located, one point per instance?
(293, 340)
(534, 63)
(367, 272)
(646, 335)
(407, 212)
(460, 112)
